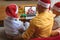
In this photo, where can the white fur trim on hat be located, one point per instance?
(43, 4)
(16, 9)
(56, 8)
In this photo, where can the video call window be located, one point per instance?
(30, 11)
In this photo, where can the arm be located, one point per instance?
(54, 33)
(28, 33)
(21, 27)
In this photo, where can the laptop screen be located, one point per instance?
(30, 11)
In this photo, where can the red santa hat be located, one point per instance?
(57, 6)
(12, 10)
(44, 3)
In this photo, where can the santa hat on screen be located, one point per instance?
(44, 3)
(12, 10)
(57, 6)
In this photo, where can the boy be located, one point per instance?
(12, 23)
(41, 25)
(56, 10)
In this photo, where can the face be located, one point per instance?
(40, 8)
(56, 12)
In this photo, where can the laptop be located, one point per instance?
(30, 11)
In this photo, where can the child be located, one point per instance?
(41, 25)
(12, 23)
(56, 10)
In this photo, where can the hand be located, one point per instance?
(18, 37)
(58, 30)
(55, 33)
(21, 30)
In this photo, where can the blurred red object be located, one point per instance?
(49, 38)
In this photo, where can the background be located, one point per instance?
(21, 3)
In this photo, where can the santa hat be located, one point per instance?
(57, 6)
(12, 10)
(44, 3)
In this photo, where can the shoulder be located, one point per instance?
(51, 13)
